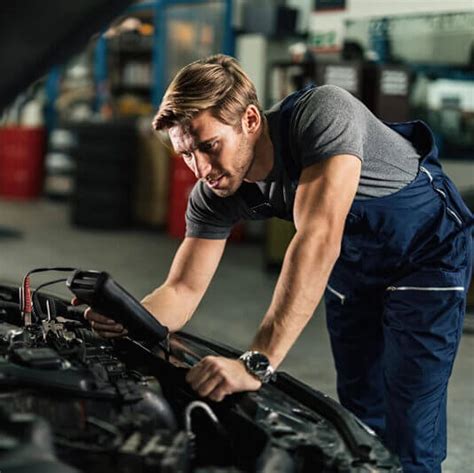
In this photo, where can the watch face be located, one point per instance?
(258, 363)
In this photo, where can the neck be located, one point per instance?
(263, 160)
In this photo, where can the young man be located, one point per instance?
(378, 224)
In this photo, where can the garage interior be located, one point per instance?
(125, 214)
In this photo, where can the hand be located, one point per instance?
(216, 377)
(101, 325)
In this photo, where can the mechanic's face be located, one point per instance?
(217, 153)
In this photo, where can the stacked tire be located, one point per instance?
(105, 175)
(60, 165)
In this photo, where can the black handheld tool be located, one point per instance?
(104, 295)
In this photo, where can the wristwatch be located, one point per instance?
(258, 365)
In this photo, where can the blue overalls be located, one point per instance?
(395, 304)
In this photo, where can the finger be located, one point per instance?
(90, 315)
(106, 327)
(196, 372)
(210, 385)
(105, 334)
(205, 375)
(76, 301)
(219, 392)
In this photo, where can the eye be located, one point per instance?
(187, 155)
(206, 147)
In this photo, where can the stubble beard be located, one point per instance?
(244, 157)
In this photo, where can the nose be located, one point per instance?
(202, 165)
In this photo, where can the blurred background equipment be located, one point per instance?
(386, 89)
(284, 45)
(152, 178)
(60, 165)
(105, 174)
(269, 18)
(21, 161)
(181, 184)
(402, 63)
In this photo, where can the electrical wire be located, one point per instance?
(25, 293)
(35, 297)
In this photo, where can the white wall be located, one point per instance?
(414, 40)
(362, 8)
(421, 39)
(366, 8)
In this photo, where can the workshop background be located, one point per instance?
(84, 182)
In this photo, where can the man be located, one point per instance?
(375, 218)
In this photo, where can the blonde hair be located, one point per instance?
(216, 83)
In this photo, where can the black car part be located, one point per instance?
(37, 35)
(103, 294)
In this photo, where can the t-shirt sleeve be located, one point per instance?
(326, 123)
(210, 216)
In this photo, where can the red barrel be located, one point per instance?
(182, 182)
(21, 161)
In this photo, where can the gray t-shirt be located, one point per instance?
(326, 121)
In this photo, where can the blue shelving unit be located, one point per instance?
(52, 91)
(101, 71)
(159, 8)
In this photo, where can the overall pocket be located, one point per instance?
(455, 207)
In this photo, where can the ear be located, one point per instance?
(251, 120)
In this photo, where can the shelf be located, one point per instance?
(139, 53)
(132, 89)
(125, 48)
(131, 43)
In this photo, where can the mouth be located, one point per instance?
(214, 183)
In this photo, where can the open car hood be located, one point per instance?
(36, 35)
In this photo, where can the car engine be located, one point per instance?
(71, 401)
(94, 404)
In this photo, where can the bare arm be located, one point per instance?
(193, 267)
(175, 301)
(323, 199)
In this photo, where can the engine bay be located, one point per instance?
(72, 401)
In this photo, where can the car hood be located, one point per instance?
(38, 35)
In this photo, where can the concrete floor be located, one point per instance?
(231, 310)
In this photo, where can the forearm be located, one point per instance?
(306, 269)
(172, 305)
(194, 264)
